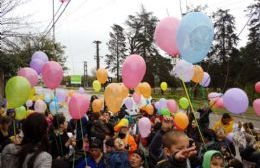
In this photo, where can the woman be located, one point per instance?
(33, 151)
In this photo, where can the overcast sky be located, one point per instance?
(87, 20)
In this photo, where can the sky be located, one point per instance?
(85, 21)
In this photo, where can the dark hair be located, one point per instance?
(93, 97)
(235, 163)
(35, 138)
(140, 153)
(110, 142)
(217, 155)
(96, 143)
(57, 120)
(226, 116)
(5, 120)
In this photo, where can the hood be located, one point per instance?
(207, 158)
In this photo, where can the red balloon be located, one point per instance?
(219, 103)
(257, 87)
(52, 74)
(256, 106)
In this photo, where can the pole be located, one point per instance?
(97, 53)
(53, 30)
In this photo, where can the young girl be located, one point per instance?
(213, 159)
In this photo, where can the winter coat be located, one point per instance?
(171, 162)
(91, 163)
(156, 148)
(118, 159)
(228, 128)
(99, 130)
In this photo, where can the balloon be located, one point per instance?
(96, 85)
(81, 90)
(165, 112)
(137, 98)
(165, 35)
(219, 102)
(102, 75)
(198, 74)
(162, 103)
(17, 91)
(32, 93)
(235, 100)
(37, 65)
(125, 91)
(256, 106)
(194, 36)
(61, 94)
(113, 97)
(184, 103)
(214, 95)
(40, 106)
(78, 106)
(52, 74)
(29, 103)
(183, 70)
(54, 107)
(206, 80)
(144, 89)
(41, 56)
(47, 98)
(71, 93)
(129, 103)
(143, 102)
(30, 74)
(181, 120)
(97, 105)
(144, 127)
(157, 105)
(230, 136)
(20, 113)
(149, 109)
(257, 87)
(172, 106)
(133, 71)
(164, 86)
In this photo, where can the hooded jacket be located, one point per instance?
(207, 158)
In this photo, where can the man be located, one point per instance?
(226, 124)
(156, 146)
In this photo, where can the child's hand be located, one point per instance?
(185, 153)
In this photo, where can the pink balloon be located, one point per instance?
(172, 106)
(230, 136)
(219, 103)
(144, 126)
(256, 106)
(40, 106)
(137, 98)
(52, 74)
(214, 95)
(30, 74)
(78, 105)
(257, 87)
(165, 35)
(133, 70)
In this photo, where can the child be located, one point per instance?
(136, 160)
(176, 150)
(213, 159)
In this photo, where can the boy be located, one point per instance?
(176, 150)
(213, 159)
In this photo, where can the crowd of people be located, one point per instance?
(106, 140)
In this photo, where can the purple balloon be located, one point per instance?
(235, 100)
(81, 90)
(157, 105)
(61, 94)
(37, 65)
(41, 56)
(162, 103)
(206, 80)
(129, 103)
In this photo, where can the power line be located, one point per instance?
(246, 24)
(57, 19)
(54, 16)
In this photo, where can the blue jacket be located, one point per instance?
(91, 163)
(118, 160)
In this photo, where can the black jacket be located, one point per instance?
(172, 163)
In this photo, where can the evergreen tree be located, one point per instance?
(117, 49)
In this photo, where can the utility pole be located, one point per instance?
(85, 73)
(97, 57)
(53, 30)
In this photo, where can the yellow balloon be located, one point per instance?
(113, 97)
(149, 109)
(32, 93)
(164, 86)
(97, 105)
(144, 89)
(102, 75)
(96, 86)
(198, 74)
(125, 91)
(20, 113)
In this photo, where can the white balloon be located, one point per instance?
(183, 70)
(206, 80)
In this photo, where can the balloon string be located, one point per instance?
(14, 128)
(74, 153)
(85, 155)
(193, 112)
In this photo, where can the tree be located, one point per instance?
(117, 49)
(225, 42)
(140, 30)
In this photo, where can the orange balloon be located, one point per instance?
(144, 89)
(181, 120)
(97, 105)
(198, 74)
(102, 75)
(149, 109)
(113, 97)
(71, 93)
(125, 90)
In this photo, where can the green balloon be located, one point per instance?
(17, 91)
(184, 103)
(165, 112)
(20, 113)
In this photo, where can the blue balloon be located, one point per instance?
(47, 98)
(194, 36)
(54, 107)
